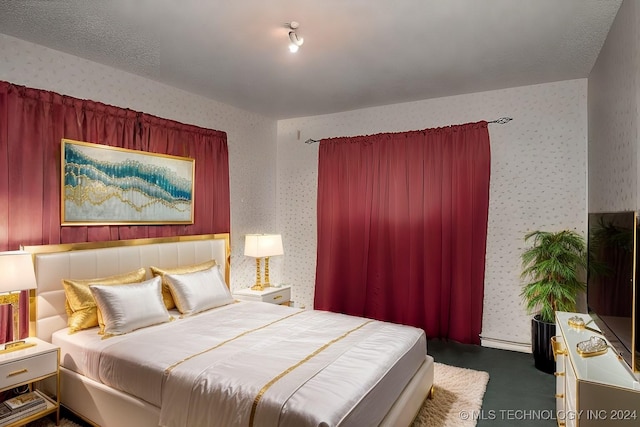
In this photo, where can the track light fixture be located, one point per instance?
(296, 41)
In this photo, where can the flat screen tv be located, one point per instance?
(612, 295)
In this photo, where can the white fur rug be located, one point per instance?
(457, 398)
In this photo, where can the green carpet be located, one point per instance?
(517, 395)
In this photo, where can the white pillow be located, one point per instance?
(125, 308)
(199, 291)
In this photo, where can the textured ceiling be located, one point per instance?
(357, 53)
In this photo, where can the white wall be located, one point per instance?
(538, 181)
(614, 95)
(251, 138)
(538, 163)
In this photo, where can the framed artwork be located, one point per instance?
(103, 185)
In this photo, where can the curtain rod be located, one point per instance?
(500, 121)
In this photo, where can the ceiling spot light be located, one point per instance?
(296, 41)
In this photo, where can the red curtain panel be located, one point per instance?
(6, 323)
(32, 124)
(402, 225)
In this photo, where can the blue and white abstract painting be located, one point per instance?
(108, 185)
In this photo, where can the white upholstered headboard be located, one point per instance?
(53, 263)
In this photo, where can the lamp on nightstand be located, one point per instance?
(262, 246)
(16, 274)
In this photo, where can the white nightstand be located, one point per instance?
(273, 295)
(27, 366)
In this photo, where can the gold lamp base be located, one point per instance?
(258, 286)
(14, 300)
(267, 281)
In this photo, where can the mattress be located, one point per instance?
(251, 363)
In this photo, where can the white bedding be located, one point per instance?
(256, 363)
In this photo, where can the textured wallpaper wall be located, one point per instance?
(538, 181)
(538, 163)
(251, 138)
(614, 96)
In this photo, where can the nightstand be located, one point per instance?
(273, 295)
(28, 365)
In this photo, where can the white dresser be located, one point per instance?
(592, 391)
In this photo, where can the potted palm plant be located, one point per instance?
(554, 268)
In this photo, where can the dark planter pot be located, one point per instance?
(541, 333)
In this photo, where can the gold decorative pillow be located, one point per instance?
(80, 305)
(166, 291)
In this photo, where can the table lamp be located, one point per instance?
(262, 246)
(16, 274)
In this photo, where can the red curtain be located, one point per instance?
(402, 225)
(6, 322)
(32, 124)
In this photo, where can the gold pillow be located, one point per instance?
(166, 292)
(80, 305)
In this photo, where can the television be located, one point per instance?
(612, 294)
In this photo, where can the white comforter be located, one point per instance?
(261, 364)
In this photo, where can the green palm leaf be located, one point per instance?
(553, 268)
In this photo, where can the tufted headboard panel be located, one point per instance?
(53, 263)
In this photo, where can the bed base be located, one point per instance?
(408, 404)
(104, 406)
(100, 405)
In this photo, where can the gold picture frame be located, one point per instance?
(103, 185)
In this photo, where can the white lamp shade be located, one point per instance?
(263, 245)
(16, 271)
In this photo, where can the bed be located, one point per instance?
(240, 363)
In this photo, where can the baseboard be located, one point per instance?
(505, 345)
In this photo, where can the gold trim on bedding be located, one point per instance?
(268, 385)
(170, 368)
